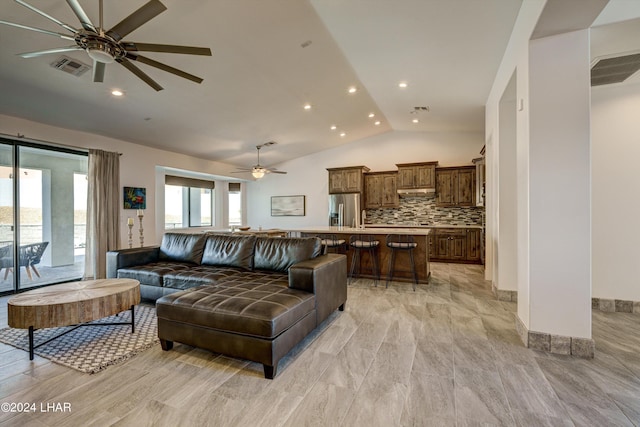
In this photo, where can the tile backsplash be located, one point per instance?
(423, 209)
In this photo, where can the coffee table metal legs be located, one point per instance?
(30, 342)
(133, 320)
(31, 330)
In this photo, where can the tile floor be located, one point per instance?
(445, 355)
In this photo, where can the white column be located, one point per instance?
(554, 183)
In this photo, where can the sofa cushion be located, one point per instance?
(260, 305)
(229, 251)
(182, 247)
(199, 275)
(153, 273)
(278, 254)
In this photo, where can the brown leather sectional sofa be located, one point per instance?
(242, 296)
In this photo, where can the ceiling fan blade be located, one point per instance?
(138, 72)
(84, 19)
(98, 71)
(166, 48)
(147, 12)
(275, 171)
(51, 18)
(48, 51)
(39, 30)
(164, 67)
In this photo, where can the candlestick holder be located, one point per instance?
(140, 215)
(130, 234)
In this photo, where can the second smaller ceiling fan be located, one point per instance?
(258, 171)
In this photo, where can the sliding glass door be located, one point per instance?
(6, 217)
(42, 215)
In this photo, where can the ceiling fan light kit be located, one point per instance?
(106, 47)
(258, 171)
(101, 53)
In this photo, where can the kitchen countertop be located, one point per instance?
(419, 231)
(395, 226)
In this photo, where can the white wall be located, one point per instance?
(515, 60)
(137, 166)
(506, 272)
(308, 175)
(616, 203)
(615, 148)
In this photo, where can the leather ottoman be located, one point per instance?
(255, 317)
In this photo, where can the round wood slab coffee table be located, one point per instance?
(73, 304)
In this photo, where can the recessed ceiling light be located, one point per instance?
(353, 89)
(307, 106)
(402, 85)
(117, 92)
(334, 127)
(377, 123)
(415, 121)
(371, 115)
(343, 134)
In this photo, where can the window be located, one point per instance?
(235, 204)
(172, 206)
(188, 202)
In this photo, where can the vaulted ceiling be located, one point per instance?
(270, 58)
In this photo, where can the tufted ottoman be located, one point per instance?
(256, 317)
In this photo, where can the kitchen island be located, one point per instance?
(402, 271)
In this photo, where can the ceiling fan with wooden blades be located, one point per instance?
(105, 47)
(258, 171)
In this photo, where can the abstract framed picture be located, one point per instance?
(287, 206)
(135, 198)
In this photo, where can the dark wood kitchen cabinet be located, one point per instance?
(455, 245)
(451, 244)
(380, 190)
(456, 186)
(474, 245)
(416, 175)
(346, 180)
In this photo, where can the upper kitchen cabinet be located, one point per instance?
(346, 180)
(380, 190)
(456, 186)
(416, 175)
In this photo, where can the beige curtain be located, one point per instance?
(103, 212)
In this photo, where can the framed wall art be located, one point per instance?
(135, 198)
(287, 205)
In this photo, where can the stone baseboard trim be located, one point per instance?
(502, 295)
(557, 344)
(615, 305)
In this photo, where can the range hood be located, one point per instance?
(414, 192)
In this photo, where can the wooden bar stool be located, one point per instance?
(401, 242)
(364, 242)
(331, 243)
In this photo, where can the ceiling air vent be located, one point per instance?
(614, 70)
(70, 65)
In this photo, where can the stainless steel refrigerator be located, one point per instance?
(344, 210)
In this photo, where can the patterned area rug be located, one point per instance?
(91, 349)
